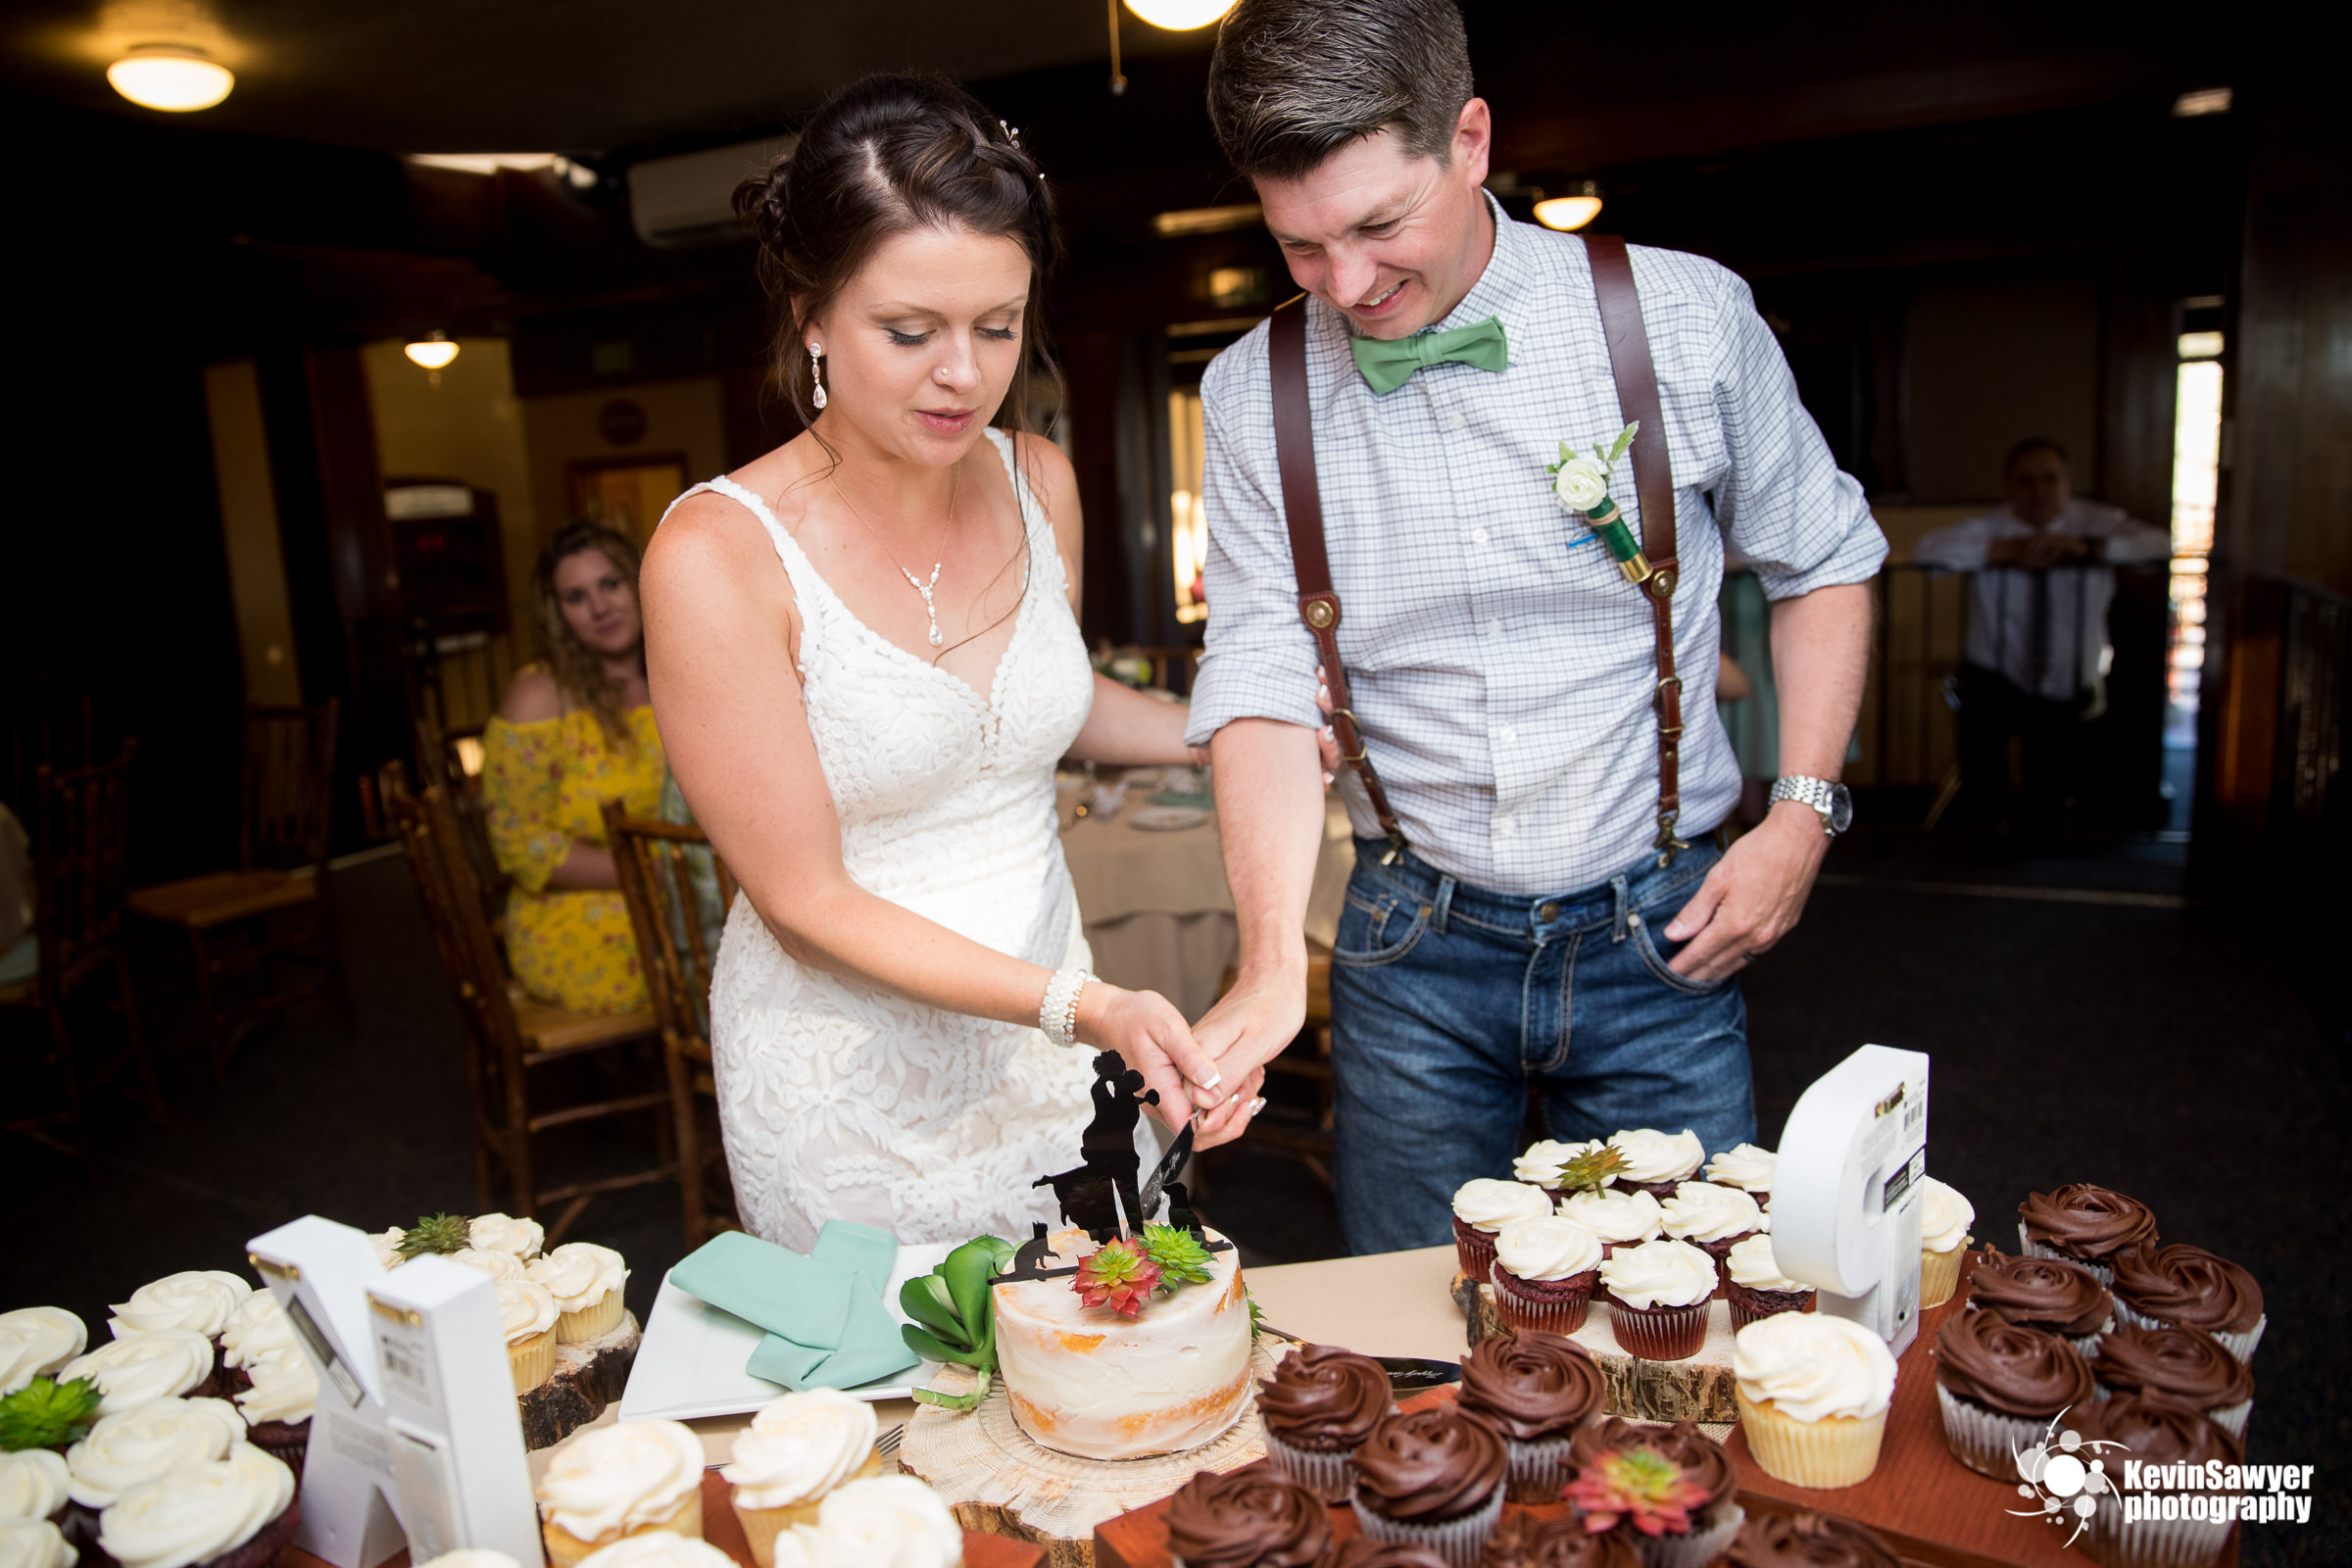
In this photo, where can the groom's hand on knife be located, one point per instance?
(1150, 1037)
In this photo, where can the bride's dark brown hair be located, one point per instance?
(887, 153)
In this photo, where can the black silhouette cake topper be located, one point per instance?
(1103, 1197)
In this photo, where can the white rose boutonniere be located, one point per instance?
(1582, 485)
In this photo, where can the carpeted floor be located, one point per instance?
(2110, 1037)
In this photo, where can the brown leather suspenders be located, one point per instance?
(1319, 602)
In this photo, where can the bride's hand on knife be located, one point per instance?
(1151, 1036)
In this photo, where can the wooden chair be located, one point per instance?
(659, 871)
(281, 880)
(81, 839)
(1307, 1138)
(510, 1034)
(439, 763)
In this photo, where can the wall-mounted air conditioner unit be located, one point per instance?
(689, 198)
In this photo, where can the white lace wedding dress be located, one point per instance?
(841, 1101)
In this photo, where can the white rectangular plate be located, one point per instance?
(690, 1362)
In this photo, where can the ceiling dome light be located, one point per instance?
(1180, 15)
(433, 351)
(169, 76)
(1573, 211)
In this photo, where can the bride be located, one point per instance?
(864, 663)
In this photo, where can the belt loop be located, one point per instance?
(1623, 900)
(1443, 906)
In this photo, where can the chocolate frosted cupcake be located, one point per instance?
(1480, 1207)
(1252, 1517)
(2160, 1436)
(2040, 1293)
(1317, 1409)
(1524, 1541)
(1657, 1163)
(1712, 1515)
(1809, 1541)
(2180, 1366)
(2187, 1286)
(1752, 1282)
(1362, 1551)
(2080, 1223)
(1658, 1294)
(1432, 1479)
(2000, 1385)
(1538, 1388)
(1712, 1219)
(1544, 1274)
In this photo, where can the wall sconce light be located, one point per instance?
(1180, 15)
(1578, 206)
(171, 76)
(434, 350)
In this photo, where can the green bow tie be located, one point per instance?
(1389, 363)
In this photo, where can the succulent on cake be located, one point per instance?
(47, 1414)
(436, 1233)
(955, 1316)
(1119, 1275)
(1639, 1485)
(1179, 1254)
(1593, 1170)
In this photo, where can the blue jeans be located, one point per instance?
(1447, 1002)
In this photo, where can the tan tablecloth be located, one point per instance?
(1157, 911)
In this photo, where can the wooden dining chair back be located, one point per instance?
(279, 905)
(80, 850)
(510, 1035)
(678, 892)
(439, 761)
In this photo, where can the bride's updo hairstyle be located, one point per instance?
(887, 153)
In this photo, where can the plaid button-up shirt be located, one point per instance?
(1503, 675)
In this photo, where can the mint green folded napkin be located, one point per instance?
(826, 1325)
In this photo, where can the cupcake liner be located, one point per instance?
(2104, 1273)
(1837, 1452)
(2152, 1543)
(1459, 1542)
(1699, 1549)
(1743, 1313)
(1329, 1476)
(1475, 1248)
(1938, 1276)
(532, 1361)
(761, 1527)
(1659, 1333)
(1988, 1442)
(286, 1441)
(591, 1322)
(1518, 1311)
(1540, 1468)
(2238, 1343)
(264, 1546)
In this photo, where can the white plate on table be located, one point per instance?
(690, 1362)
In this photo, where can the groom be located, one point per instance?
(1532, 918)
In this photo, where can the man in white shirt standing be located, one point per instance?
(1542, 923)
(2036, 656)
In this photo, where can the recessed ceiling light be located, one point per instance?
(2204, 101)
(1180, 15)
(169, 76)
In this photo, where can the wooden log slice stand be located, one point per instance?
(1001, 1480)
(1700, 1389)
(588, 1376)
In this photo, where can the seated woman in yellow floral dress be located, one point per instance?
(572, 734)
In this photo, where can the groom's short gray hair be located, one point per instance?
(1295, 81)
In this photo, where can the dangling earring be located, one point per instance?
(816, 373)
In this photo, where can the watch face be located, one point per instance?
(1841, 809)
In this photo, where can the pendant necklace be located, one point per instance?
(926, 589)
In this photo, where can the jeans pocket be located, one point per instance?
(1657, 965)
(1377, 929)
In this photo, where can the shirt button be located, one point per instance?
(1478, 536)
(1456, 422)
(1507, 734)
(1494, 629)
(1505, 826)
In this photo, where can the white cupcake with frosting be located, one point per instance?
(34, 1543)
(1943, 1221)
(148, 1441)
(527, 1317)
(1658, 1294)
(201, 1299)
(891, 1522)
(34, 1485)
(1755, 1287)
(504, 1233)
(1711, 1218)
(1620, 1217)
(37, 1340)
(1746, 1167)
(1543, 1275)
(257, 1328)
(1813, 1395)
(387, 1247)
(659, 1549)
(145, 1367)
(608, 1483)
(792, 1456)
(1657, 1160)
(278, 1406)
(586, 1281)
(230, 1512)
(1483, 1207)
(1541, 1165)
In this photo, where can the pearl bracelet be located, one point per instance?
(1058, 1013)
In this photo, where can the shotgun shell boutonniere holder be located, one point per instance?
(1582, 484)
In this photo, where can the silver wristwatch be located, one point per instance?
(1830, 799)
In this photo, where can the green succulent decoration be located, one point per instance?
(1591, 1172)
(436, 1233)
(1182, 1259)
(955, 1316)
(47, 1414)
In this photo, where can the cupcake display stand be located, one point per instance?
(1700, 1389)
(999, 1479)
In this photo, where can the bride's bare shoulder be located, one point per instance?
(717, 534)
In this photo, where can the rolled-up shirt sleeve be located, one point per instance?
(1258, 660)
(1785, 506)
